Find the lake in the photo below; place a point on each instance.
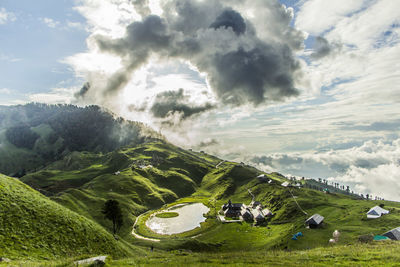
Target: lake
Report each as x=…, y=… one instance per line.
x=190, y=217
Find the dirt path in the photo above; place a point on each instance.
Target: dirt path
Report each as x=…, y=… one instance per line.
x=139, y=236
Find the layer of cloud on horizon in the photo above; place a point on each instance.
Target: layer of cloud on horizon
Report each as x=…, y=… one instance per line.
x=370, y=168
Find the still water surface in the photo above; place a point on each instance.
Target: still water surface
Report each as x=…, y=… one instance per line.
x=190, y=217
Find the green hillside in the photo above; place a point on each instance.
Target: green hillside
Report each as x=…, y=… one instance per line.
x=33, y=226
x=148, y=176
x=34, y=135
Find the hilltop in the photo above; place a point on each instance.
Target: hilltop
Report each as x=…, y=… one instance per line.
x=34, y=135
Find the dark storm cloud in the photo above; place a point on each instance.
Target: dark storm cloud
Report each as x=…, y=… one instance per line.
x=230, y=19
x=246, y=75
x=82, y=92
x=323, y=48
x=241, y=68
x=176, y=102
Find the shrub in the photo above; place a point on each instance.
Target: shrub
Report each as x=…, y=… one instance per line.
x=366, y=238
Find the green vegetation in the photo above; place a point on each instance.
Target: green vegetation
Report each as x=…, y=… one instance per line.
x=153, y=176
x=35, y=135
x=32, y=226
x=157, y=175
x=112, y=212
x=384, y=253
x=167, y=214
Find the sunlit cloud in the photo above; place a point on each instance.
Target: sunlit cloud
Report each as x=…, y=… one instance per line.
x=6, y=16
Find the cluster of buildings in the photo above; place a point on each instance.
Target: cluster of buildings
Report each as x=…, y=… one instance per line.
x=254, y=212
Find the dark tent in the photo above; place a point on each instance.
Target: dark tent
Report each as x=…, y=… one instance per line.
x=393, y=234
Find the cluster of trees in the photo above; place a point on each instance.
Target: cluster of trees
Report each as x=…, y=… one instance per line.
x=82, y=129
x=72, y=128
x=22, y=136
x=344, y=188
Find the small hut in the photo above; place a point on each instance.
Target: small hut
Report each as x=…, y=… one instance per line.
x=258, y=216
x=315, y=221
x=247, y=215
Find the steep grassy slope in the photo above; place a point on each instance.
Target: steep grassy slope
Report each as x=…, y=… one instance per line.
x=31, y=225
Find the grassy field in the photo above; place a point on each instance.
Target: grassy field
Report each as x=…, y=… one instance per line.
x=167, y=215
x=32, y=226
x=375, y=254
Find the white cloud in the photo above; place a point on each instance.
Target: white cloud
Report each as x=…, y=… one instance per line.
x=317, y=16
x=5, y=91
x=75, y=25
x=55, y=96
x=372, y=167
x=6, y=16
x=50, y=22
x=108, y=17
x=364, y=29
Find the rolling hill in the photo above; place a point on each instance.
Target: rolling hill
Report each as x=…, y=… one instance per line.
x=31, y=225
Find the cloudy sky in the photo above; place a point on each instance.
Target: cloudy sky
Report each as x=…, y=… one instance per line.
x=304, y=87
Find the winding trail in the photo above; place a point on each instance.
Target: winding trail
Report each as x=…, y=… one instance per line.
x=297, y=202
x=139, y=236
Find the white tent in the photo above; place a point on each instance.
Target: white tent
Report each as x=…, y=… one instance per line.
x=376, y=212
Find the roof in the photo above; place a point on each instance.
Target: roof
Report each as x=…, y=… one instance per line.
x=393, y=234
x=256, y=204
x=261, y=176
x=257, y=214
x=237, y=205
x=285, y=184
x=316, y=219
x=267, y=212
x=246, y=212
x=377, y=211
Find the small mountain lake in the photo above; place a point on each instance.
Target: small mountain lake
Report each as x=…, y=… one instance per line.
x=190, y=217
